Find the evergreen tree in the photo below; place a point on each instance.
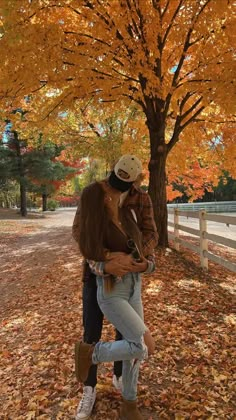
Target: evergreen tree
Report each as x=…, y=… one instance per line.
x=35, y=169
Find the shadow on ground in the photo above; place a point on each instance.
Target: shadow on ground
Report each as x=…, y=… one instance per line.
x=188, y=311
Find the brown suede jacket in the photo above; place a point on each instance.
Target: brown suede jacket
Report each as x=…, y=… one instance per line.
x=141, y=203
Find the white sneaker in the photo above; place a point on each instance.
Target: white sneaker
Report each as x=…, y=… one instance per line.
x=86, y=404
x=117, y=382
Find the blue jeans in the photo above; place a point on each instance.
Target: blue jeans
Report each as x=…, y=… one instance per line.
x=92, y=323
x=123, y=308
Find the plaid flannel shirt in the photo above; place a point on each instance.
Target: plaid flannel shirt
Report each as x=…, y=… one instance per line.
x=138, y=200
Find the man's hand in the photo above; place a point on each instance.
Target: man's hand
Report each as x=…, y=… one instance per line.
x=119, y=264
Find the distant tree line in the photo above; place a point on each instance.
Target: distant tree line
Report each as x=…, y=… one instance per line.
x=25, y=169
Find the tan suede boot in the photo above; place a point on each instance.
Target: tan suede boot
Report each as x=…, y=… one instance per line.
x=83, y=360
x=129, y=411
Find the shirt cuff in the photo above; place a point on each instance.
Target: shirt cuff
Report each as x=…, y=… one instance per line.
x=150, y=268
x=97, y=268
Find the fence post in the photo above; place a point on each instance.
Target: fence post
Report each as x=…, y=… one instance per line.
x=203, y=240
x=176, y=229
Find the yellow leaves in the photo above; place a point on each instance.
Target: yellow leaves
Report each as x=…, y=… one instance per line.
x=231, y=319
x=104, y=387
x=31, y=415
x=218, y=377
x=119, y=50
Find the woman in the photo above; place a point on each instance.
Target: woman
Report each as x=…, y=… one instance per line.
x=104, y=223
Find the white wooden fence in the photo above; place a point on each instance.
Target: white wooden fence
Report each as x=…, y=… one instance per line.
x=210, y=206
x=203, y=236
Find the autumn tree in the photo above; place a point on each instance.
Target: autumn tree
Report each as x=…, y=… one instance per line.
x=102, y=133
x=172, y=58
x=46, y=172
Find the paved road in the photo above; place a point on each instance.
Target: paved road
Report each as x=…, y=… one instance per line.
x=65, y=216
x=216, y=228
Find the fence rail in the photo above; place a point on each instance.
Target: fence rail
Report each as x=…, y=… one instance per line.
x=210, y=206
x=203, y=235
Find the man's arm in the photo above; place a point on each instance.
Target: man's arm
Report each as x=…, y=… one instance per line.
x=117, y=264
x=141, y=202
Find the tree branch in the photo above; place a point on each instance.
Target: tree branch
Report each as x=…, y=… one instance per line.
x=172, y=21
x=192, y=118
x=179, y=128
x=215, y=122
x=183, y=116
x=175, y=135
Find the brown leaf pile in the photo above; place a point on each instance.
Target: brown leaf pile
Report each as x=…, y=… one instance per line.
x=191, y=376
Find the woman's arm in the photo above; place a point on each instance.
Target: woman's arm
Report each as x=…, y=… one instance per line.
x=116, y=264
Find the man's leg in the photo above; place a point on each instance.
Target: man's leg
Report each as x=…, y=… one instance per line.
x=92, y=323
x=117, y=380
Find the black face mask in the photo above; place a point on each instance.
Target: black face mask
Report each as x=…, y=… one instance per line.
x=118, y=184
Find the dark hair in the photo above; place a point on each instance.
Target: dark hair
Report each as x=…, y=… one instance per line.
x=93, y=223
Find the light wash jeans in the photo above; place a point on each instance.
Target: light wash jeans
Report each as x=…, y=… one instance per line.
x=123, y=308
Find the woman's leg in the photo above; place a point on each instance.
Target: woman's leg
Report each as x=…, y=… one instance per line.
x=117, y=308
x=130, y=373
x=130, y=369
x=123, y=308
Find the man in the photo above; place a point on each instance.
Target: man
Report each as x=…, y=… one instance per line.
x=140, y=205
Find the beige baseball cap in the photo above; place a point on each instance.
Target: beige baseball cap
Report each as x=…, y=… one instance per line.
x=128, y=168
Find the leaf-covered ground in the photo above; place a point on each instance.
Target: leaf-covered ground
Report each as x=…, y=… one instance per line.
x=191, y=375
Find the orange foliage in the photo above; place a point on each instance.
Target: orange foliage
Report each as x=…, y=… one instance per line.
x=174, y=59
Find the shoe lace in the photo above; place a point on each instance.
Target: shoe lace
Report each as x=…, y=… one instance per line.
x=85, y=403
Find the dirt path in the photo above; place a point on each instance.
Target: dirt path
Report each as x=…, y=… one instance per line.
x=30, y=248
x=190, y=314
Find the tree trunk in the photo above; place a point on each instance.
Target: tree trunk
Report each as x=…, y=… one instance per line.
x=157, y=191
x=157, y=180
x=23, y=203
x=44, y=202
x=22, y=180
x=7, y=202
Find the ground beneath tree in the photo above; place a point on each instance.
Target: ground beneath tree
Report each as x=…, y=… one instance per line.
x=190, y=313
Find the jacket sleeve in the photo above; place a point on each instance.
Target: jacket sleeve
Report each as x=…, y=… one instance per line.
x=75, y=227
